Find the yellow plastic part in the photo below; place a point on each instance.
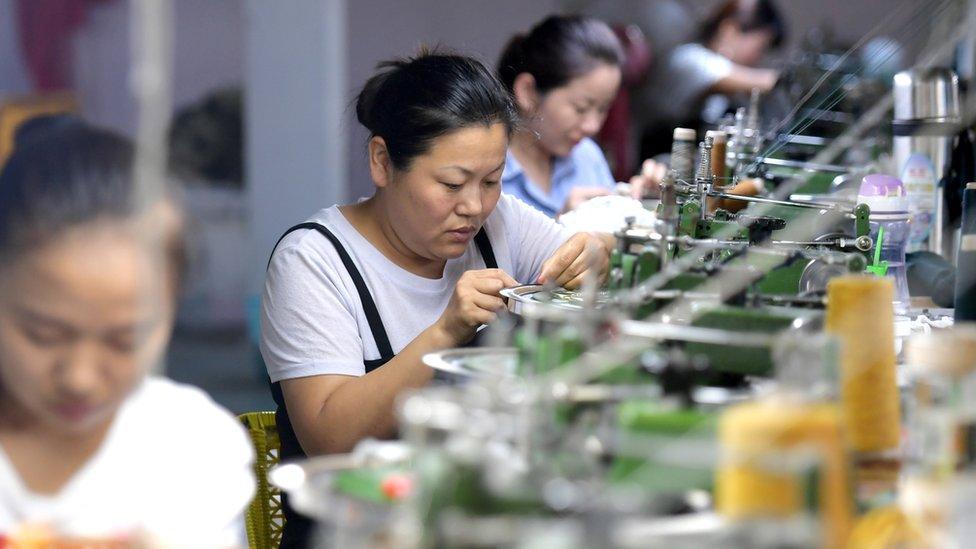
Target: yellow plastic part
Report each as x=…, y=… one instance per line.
x=265, y=518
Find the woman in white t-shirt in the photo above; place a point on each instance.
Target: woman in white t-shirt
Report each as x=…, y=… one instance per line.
x=415, y=268
x=90, y=448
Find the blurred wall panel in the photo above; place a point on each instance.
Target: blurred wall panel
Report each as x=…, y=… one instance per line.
x=208, y=53
x=13, y=76
x=295, y=97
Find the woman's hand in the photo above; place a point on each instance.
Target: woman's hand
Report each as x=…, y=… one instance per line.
x=579, y=195
x=571, y=262
x=475, y=301
x=647, y=184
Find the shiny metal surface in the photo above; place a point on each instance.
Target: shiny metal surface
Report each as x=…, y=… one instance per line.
x=929, y=94
x=926, y=96
x=474, y=363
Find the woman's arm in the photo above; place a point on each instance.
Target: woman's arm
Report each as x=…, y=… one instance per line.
x=744, y=79
x=332, y=413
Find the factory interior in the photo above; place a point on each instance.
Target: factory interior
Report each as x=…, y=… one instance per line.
x=447, y=273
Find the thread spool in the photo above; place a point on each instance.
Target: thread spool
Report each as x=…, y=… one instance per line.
x=949, y=352
x=746, y=187
x=683, y=154
x=860, y=315
x=887, y=527
x=750, y=486
x=718, y=156
x=965, y=298
x=942, y=432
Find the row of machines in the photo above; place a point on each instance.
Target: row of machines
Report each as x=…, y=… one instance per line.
x=753, y=373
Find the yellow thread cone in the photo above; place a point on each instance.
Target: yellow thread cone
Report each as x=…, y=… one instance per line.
x=860, y=315
x=752, y=434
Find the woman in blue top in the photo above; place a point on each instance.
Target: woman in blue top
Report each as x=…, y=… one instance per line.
x=563, y=75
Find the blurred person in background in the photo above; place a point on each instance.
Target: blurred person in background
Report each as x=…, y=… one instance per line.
x=91, y=448
x=692, y=84
x=563, y=75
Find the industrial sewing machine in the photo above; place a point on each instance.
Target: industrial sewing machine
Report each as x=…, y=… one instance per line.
x=601, y=417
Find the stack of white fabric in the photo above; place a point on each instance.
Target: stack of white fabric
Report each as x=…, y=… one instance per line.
x=607, y=214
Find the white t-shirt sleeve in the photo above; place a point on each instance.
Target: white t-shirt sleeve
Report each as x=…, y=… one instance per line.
x=307, y=325
x=692, y=70
x=532, y=237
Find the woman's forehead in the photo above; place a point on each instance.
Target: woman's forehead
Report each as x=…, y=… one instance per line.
x=470, y=147
x=97, y=266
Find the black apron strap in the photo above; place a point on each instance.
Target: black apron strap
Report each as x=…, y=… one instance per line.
x=298, y=529
x=484, y=246
x=369, y=306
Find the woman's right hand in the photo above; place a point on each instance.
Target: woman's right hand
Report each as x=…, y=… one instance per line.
x=475, y=301
x=647, y=184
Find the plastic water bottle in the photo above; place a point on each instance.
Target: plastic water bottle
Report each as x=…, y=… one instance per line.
x=886, y=197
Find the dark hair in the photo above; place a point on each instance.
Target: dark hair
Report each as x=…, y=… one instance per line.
x=558, y=49
x=412, y=101
x=748, y=16
x=206, y=139
x=62, y=173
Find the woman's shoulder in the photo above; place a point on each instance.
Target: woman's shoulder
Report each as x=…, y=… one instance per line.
x=308, y=246
x=179, y=416
x=304, y=238
x=170, y=440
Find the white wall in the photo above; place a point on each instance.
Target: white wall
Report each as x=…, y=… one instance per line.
x=13, y=75
x=295, y=150
x=208, y=52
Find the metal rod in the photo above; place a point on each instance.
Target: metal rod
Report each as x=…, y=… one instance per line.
x=862, y=243
x=694, y=334
x=798, y=164
x=810, y=140
x=761, y=200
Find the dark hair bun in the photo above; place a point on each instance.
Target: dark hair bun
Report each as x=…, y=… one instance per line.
x=410, y=102
x=64, y=172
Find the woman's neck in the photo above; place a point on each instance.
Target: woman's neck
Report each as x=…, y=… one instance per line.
x=535, y=160
x=372, y=219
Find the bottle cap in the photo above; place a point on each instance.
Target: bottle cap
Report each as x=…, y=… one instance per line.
x=717, y=136
x=883, y=193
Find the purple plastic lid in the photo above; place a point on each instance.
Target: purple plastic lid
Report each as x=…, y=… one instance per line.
x=883, y=193
x=879, y=184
